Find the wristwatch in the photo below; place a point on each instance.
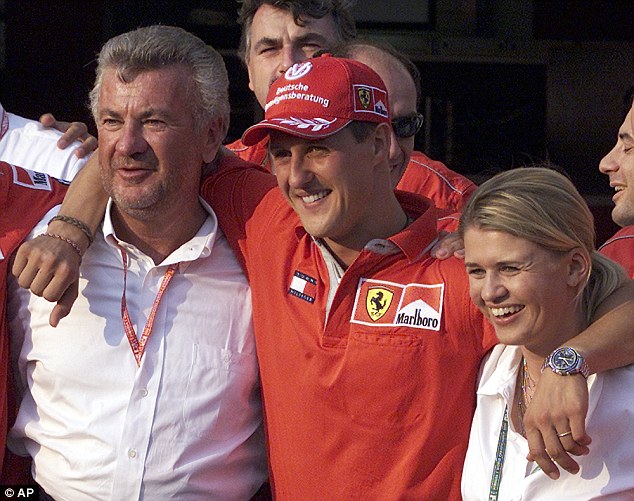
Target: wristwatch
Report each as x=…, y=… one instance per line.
x=566, y=361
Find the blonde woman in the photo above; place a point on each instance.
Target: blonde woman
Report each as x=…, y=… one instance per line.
x=533, y=272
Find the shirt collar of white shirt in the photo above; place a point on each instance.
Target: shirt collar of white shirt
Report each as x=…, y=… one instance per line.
x=200, y=246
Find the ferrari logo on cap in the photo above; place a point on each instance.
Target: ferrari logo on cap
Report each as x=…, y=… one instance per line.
x=368, y=99
x=365, y=97
x=378, y=301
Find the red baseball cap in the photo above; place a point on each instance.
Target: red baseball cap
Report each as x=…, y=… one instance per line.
x=319, y=97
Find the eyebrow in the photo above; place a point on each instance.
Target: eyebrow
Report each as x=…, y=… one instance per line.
x=265, y=41
x=302, y=39
x=625, y=136
x=514, y=263
x=152, y=112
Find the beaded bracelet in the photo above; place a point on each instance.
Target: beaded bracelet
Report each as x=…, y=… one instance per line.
x=77, y=223
x=64, y=239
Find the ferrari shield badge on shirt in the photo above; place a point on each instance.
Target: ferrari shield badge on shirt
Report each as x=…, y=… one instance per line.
x=377, y=302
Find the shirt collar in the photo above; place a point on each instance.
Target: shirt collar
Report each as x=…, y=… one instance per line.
x=416, y=239
x=501, y=377
x=200, y=246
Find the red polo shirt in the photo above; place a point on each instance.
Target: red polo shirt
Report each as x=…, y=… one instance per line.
x=620, y=248
x=25, y=197
x=375, y=399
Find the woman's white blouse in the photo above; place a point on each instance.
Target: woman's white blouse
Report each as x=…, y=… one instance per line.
x=606, y=473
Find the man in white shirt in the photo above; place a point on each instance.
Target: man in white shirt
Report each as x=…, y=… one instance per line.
x=149, y=388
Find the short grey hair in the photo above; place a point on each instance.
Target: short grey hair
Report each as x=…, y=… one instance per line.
x=158, y=46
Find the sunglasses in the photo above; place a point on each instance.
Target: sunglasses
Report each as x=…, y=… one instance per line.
x=407, y=126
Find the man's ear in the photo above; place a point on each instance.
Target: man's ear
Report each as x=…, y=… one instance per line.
x=578, y=267
x=215, y=134
x=381, y=140
x=251, y=86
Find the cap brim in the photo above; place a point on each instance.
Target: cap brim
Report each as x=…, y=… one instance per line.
x=309, y=128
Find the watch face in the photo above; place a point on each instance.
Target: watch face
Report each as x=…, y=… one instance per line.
x=565, y=359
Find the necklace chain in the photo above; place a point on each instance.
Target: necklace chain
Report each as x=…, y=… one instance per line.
x=527, y=390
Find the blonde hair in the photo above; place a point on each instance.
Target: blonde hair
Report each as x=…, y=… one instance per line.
x=542, y=206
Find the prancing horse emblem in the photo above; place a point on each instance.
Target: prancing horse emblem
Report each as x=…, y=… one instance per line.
x=364, y=96
x=378, y=301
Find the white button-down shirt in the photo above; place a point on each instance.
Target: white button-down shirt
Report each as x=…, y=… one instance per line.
x=28, y=144
x=606, y=473
x=184, y=425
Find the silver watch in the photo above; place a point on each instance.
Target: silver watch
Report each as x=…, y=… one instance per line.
x=566, y=361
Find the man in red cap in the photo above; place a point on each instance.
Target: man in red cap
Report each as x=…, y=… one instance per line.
x=368, y=348
x=277, y=34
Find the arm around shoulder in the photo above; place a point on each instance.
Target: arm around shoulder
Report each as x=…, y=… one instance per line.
x=49, y=267
x=555, y=419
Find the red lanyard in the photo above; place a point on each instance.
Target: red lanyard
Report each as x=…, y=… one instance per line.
x=138, y=346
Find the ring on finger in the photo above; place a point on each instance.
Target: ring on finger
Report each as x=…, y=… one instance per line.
x=565, y=434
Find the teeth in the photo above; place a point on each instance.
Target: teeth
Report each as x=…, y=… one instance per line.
x=619, y=188
x=317, y=196
x=500, y=312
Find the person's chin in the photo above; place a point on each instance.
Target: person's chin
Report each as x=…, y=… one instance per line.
x=623, y=216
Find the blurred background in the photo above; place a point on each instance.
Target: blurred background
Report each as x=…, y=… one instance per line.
x=505, y=82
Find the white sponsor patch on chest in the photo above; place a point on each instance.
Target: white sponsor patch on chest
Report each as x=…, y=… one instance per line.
x=31, y=179
x=382, y=303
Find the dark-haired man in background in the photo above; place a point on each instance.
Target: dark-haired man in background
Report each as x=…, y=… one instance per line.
x=618, y=164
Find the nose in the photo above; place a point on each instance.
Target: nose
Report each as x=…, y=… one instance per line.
x=299, y=176
x=290, y=56
x=493, y=290
x=609, y=163
x=131, y=140
x=397, y=160
x=396, y=154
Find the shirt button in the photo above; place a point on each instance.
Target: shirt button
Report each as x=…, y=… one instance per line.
x=131, y=453
x=144, y=392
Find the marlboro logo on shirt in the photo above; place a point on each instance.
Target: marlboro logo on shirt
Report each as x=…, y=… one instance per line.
x=30, y=179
